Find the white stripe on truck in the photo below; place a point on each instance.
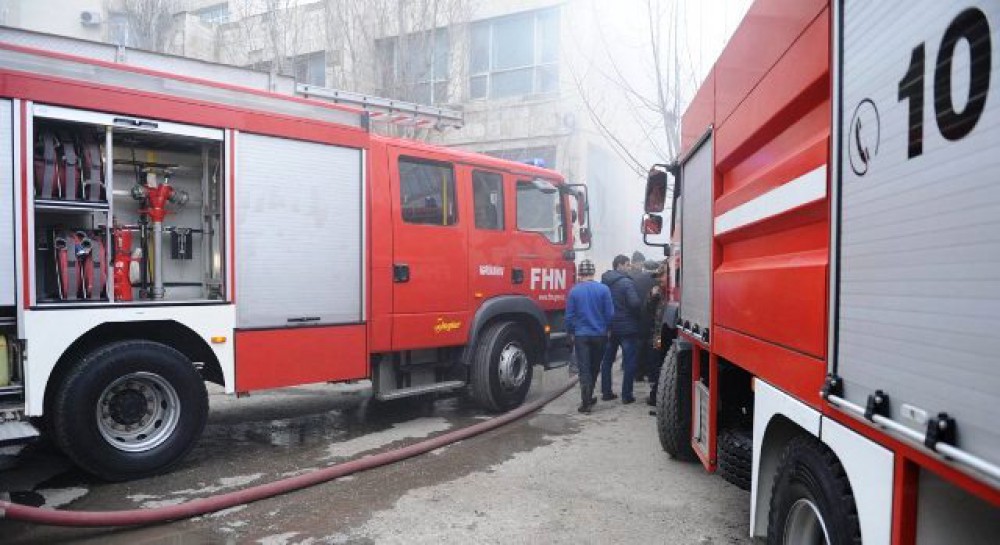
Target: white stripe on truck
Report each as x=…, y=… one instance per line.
x=810, y=187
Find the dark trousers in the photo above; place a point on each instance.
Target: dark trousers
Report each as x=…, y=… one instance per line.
x=656, y=362
x=589, y=351
x=630, y=349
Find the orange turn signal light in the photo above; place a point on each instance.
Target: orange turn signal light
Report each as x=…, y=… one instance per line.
x=218, y=340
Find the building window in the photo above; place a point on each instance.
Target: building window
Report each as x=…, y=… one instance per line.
x=487, y=194
x=214, y=15
x=427, y=192
x=120, y=30
x=539, y=210
x=515, y=55
x=543, y=156
x=417, y=70
x=310, y=68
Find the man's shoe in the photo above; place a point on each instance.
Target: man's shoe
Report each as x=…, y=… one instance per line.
x=585, y=409
x=628, y=401
x=609, y=397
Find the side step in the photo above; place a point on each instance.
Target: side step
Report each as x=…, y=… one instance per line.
x=421, y=390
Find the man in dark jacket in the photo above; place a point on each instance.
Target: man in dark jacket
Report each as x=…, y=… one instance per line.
x=588, y=315
x=625, y=329
x=644, y=283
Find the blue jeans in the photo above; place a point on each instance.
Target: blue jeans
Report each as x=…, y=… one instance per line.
x=630, y=348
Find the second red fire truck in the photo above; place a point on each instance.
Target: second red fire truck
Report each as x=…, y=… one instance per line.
x=164, y=222
x=835, y=272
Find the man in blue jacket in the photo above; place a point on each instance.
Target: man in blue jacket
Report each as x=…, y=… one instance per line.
x=625, y=329
x=588, y=315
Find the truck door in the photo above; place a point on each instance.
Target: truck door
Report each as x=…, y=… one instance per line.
x=543, y=266
x=489, y=243
x=430, y=253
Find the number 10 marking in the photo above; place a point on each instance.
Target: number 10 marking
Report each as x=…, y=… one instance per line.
x=972, y=26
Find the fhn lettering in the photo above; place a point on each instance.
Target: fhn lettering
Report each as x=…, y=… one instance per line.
x=548, y=279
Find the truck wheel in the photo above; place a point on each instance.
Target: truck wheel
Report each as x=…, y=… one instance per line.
x=129, y=410
x=811, y=500
x=735, y=456
x=501, y=367
x=673, y=404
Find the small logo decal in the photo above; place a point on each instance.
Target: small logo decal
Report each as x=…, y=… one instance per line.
x=443, y=326
x=865, y=132
x=490, y=270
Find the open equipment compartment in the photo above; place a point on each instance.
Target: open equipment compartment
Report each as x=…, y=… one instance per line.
x=127, y=210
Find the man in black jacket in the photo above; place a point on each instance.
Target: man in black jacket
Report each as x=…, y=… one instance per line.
x=625, y=329
x=644, y=283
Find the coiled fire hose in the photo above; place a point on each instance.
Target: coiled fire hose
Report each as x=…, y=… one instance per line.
x=193, y=508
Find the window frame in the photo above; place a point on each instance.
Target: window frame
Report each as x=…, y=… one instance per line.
x=537, y=62
x=561, y=228
x=433, y=80
x=456, y=217
x=501, y=212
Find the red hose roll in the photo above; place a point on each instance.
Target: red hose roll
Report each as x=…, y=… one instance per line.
x=135, y=517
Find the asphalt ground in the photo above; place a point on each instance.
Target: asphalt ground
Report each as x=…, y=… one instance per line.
x=554, y=477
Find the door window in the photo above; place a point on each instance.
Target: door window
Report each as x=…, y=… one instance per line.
x=427, y=192
x=487, y=194
x=540, y=210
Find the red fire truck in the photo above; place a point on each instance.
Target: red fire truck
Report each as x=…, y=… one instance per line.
x=166, y=222
x=834, y=235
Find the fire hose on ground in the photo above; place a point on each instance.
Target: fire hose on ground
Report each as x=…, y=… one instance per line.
x=201, y=506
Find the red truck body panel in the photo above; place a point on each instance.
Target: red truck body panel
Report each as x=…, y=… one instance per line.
x=768, y=102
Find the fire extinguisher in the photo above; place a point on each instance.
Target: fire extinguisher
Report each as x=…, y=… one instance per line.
x=123, y=261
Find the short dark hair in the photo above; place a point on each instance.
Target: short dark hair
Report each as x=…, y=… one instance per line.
x=637, y=257
x=619, y=261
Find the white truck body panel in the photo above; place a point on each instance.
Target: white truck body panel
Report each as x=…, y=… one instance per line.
x=8, y=295
x=286, y=243
x=56, y=329
x=697, y=177
x=916, y=253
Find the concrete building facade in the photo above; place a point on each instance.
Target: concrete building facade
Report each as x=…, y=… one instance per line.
x=516, y=68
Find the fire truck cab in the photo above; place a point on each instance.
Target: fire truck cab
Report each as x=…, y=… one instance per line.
x=166, y=222
x=834, y=272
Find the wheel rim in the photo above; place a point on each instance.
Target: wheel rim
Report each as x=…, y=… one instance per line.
x=513, y=366
x=804, y=525
x=138, y=412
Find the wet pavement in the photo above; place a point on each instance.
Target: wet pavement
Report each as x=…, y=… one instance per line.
x=555, y=476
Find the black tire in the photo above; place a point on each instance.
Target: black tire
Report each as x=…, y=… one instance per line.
x=735, y=455
x=487, y=388
x=673, y=404
x=811, y=481
x=134, y=378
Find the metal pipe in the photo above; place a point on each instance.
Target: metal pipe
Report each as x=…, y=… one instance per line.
x=944, y=449
x=158, y=291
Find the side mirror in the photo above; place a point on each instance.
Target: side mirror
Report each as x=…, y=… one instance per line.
x=666, y=250
x=656, y=190
x=652, y=224
x=585, y=236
